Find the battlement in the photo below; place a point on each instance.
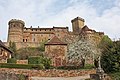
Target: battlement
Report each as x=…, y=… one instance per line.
x=78, y=18
x=17, y=21
x=45, y=29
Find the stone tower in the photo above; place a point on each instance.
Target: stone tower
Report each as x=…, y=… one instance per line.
x=77, y=24
x=15, y=31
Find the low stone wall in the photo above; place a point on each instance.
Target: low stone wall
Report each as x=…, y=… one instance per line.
x=48, y=73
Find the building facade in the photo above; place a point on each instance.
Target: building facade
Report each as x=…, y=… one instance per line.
x=56, y=50
x=31, y=37
x=5, y=53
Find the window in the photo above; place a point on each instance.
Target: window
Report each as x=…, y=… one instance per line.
x=1, y=51
x=23, y=40
x=34, y=39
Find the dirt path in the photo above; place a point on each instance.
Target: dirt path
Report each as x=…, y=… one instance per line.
x=61, y=78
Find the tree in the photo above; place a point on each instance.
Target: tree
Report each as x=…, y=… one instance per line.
x=80, y=49
x=110, y=58
x=12, y=47
x=42, y=45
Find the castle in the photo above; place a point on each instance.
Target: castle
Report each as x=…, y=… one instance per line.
x=58, y=38
x=31, y=37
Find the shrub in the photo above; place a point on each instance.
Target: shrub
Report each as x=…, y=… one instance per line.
x=40, y=60
x=115, y=76
x=24, y=53
x=11, y=60
x=21, y=66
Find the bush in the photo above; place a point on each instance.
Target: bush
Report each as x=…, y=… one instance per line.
x=115, y=76
x=24, y=53
x=11, y=60
x=21, y=66
x=40, y=60
x=35, y=60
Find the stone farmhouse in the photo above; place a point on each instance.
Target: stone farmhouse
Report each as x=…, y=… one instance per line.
x=5, y=53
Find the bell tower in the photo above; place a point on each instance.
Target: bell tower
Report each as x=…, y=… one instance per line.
x=15, y=31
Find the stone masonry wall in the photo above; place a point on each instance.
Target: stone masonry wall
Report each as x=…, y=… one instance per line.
x=48, y=73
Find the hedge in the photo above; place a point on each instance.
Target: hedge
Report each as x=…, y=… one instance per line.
x=11, y=60
x=22, y=66
x=35, y=60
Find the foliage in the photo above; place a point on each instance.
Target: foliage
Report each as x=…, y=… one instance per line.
x=12, y=47
x=115, y=76
x=40, y=60
x=105, y=43
x=110, y=59
x=11, y=60
x=21, y=66
x=82, y=48
x=24, y=53
x=42, y=45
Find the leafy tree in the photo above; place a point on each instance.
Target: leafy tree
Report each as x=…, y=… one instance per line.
x=82, y=50
x=42, y=45
x=12, y=47
x=110, y=58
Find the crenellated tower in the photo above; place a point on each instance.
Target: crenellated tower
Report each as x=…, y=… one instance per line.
x=15, y=31
x=77, y=24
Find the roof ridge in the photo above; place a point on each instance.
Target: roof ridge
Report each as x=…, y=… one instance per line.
x=56, y=40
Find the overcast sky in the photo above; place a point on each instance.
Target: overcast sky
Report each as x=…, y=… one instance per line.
x=101, y=15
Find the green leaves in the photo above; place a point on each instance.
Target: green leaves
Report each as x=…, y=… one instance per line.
x=12, y=47
x=40, y=60
x=110, y=59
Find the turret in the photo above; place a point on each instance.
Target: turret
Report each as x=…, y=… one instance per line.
x=77, y=24
x=15, y=31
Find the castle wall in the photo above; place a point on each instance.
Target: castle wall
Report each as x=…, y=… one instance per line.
x=24, y=37
x=24, y=44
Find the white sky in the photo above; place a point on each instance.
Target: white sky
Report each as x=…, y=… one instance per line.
x=101, y=15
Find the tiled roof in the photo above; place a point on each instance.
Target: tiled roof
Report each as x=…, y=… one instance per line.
x=85, y=28
x=3, y=46
x=55, y=41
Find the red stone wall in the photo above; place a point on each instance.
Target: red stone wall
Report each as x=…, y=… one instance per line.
x=48, y=73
